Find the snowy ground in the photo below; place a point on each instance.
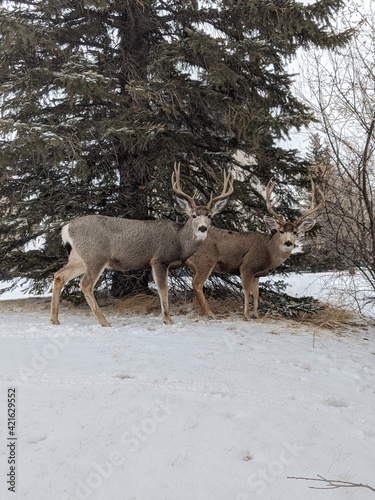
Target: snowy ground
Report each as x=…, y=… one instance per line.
x=200, y=410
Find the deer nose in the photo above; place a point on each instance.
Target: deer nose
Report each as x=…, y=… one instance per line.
x=288, y=243
x=202, y=229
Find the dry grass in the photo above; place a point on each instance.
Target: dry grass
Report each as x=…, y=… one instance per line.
x=229, y=308
x=327, y=317
x=137, y=304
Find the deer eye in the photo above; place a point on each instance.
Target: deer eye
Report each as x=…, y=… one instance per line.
x=282, y=232
x=194, y=216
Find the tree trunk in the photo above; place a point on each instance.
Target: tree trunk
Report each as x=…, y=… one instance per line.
x=130, y=283
x=133, y=169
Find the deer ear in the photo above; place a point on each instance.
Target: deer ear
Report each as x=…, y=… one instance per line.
x=271, y=222
x=183, y=206
x=219, y=206
x=306, y=225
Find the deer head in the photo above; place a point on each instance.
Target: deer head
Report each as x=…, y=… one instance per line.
x=288, y=231
x=201, y=215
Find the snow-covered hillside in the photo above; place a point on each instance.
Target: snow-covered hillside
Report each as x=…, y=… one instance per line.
x=200, y=410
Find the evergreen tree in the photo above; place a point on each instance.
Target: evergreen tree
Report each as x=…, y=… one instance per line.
x=100, y=97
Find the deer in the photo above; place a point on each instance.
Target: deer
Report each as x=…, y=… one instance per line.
x=250, y=255
x=98, y=242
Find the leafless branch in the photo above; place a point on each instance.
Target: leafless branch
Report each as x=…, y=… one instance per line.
x=332, y=484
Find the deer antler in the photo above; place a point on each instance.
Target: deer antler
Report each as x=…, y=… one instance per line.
x=227, y=190
x=177, y=186
x=312, y=208
x=269, y=189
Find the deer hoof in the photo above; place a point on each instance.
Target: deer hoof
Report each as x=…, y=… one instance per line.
x=106, y=324
x=55, y=322
x=167, y=321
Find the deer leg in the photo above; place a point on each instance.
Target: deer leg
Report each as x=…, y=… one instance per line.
x=247, y=285
x=87, y=285
x=73, y=269
x=200, y=275
x=160, y=274
x=255, y=292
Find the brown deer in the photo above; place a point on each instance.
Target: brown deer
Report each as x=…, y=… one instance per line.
x=96, y=242
x=250, y=255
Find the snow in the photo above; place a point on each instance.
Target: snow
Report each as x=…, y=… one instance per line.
x=341, y=289
x=199, y=410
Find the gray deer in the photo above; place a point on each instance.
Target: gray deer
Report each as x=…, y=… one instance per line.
x=250, y=255
x=96, y=242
